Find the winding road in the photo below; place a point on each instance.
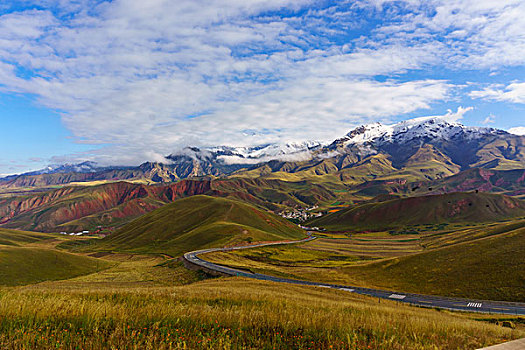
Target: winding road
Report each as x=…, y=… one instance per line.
x=429, y=301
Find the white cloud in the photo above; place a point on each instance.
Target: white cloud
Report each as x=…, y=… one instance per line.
x=490, y=119
x=519, y=130
x=514, y=92
x=450, y=116
x=295, y=157
x=315, y=109
x=457, y=115
x=146, y=77
x=473, y=33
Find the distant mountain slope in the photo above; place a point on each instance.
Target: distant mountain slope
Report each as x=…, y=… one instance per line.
x=511, y=182
x=433, y=209
x=149, y=172
x=189, y=162
x=199, y=222
x=75, y=208
x=84, y=167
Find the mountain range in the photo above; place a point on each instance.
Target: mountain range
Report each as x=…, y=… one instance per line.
x=417, y=149
x=371, y=163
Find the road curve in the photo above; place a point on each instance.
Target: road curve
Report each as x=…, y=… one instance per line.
x=429, y=301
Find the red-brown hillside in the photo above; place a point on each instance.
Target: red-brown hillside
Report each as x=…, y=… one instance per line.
x=47, y=211
x=113, y=204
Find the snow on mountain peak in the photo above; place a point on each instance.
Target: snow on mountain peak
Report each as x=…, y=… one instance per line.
x=368, y=132
x=408, y=130
x=251, y=155
x=291, y=151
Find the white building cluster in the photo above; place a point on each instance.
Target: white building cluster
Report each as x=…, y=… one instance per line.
x=75, y=233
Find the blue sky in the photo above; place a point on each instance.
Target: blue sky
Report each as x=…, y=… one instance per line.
x=125, y=81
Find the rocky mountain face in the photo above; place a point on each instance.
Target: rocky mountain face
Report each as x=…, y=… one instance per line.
x=418, y=149
x=434, y=148
x=467, y=147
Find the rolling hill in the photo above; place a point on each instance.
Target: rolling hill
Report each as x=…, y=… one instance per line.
x=74, y=208
x=22, y=265
x=16, y=238
x=464, y=207
x=199, y=222
x=23, y=261
x=488, y=268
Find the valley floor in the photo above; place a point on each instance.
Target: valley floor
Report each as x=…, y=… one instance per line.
x=480, y=262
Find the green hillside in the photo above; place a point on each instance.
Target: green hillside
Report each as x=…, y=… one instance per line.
x=199, y=222
x=20, y=265
x=458, y=207
x=489, y=268
x=16, y=237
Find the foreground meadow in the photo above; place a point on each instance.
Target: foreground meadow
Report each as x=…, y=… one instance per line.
x=125, y=300
x=227, y=313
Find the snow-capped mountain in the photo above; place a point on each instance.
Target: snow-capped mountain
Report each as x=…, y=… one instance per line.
x=456, y=145
x=419, y=129
x=84, y=167
x=292, y=151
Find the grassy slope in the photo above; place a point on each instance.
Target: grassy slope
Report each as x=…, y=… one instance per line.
x=16, y=238
x=481, y=262
x=489, y=268
x=229, y=314
x=199, y=222
x=25, y=259
x=121, y=308
x=435, y=209
x=19, y=265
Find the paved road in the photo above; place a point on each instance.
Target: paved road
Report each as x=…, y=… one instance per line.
x=457, y=304
x=511, y=345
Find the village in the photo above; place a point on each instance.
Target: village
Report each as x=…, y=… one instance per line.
x=301, y=214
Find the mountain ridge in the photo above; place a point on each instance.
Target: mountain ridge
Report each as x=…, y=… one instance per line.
x=422, y=148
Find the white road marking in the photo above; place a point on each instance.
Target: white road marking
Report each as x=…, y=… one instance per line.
x=397, y=296
x=347, y=289
x=474, y=304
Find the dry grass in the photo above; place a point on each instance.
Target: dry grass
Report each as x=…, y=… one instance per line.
x=364, y=246
x=148, y=302
x=228, y=314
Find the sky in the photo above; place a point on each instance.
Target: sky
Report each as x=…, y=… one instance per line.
x=127, y=81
